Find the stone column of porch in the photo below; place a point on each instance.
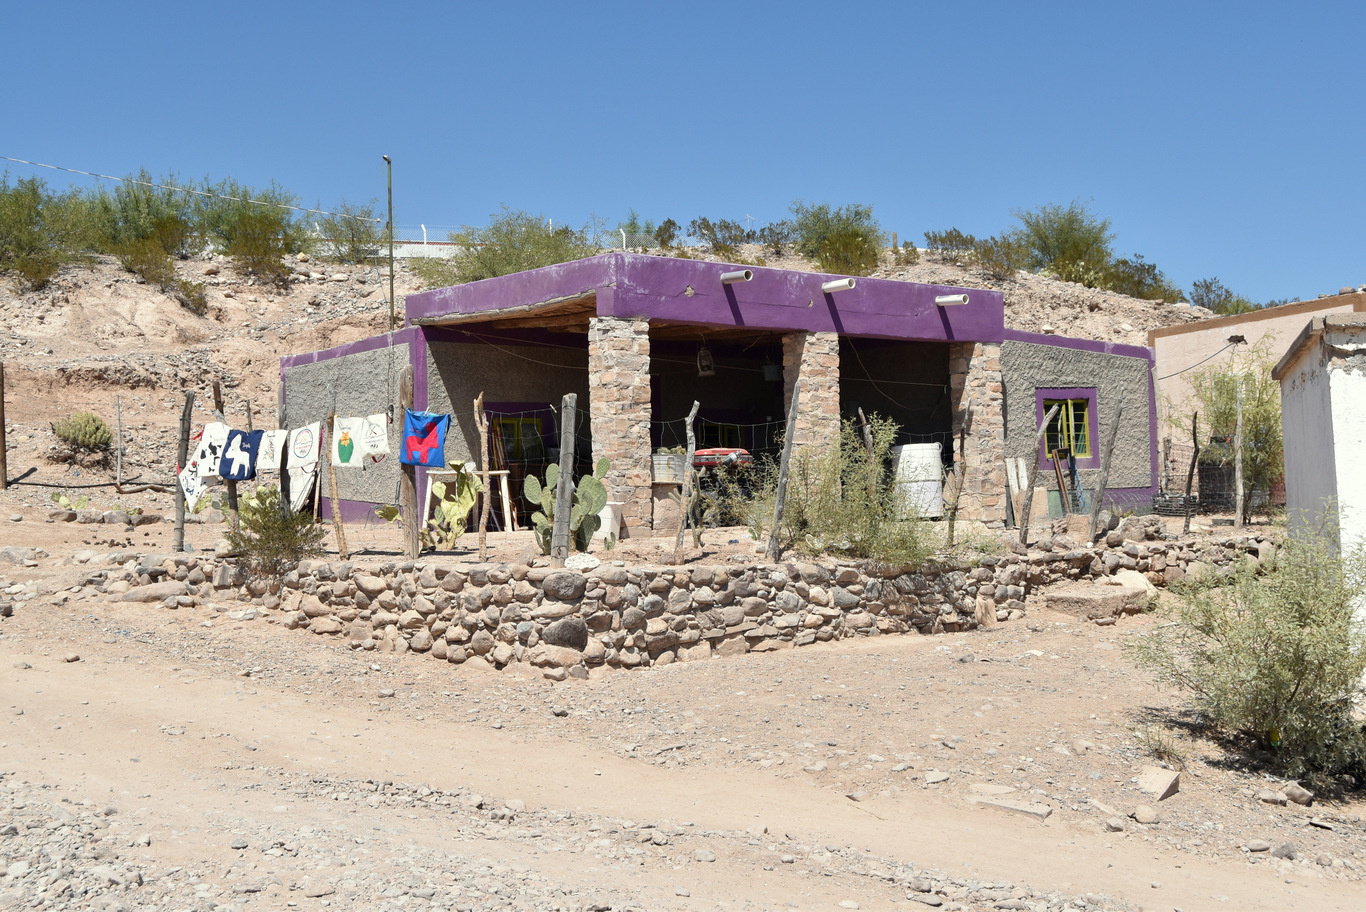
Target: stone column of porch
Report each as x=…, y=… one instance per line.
x=815, y=358
x=975, y=377
x=619, y=410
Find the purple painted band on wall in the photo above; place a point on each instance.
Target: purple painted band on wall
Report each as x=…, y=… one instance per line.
x=667, y=289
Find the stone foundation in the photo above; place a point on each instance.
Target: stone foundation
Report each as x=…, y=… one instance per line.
x=619, y=406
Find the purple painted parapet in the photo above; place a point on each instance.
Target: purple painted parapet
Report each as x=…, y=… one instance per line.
x=1107, y=348
x=411, y=336
x=691, y=291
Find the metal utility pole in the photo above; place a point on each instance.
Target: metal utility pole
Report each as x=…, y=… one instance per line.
x=390, y=164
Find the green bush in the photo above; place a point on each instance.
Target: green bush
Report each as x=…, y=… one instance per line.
x=513, y=242
x=1001, y=257
x=1065, y=241
x=259, y=242
x=838, y=501
x=951, y=246
x=1211, y=293
x=722, y=237
x=356, y=234
x=40, y=231
x=589, y=497
x=84, y=431
x=272, y=539
x=666, y=235
x=905, y=255
x=1139, y=279
x=776, y=236
x=148, y=259
x=1274, y=660
x=845, y=241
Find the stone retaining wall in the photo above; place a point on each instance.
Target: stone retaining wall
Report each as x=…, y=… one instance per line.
x=567, y=621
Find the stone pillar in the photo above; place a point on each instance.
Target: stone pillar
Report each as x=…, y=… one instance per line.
x=975, y=376
x=619, y=410
x=815, y=358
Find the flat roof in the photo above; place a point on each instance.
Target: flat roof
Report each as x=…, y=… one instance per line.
x=683, y=291
x=1357, y=300
x=1311, y=335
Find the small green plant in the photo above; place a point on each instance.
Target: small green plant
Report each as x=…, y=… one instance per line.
x=951, y=246
x=1274, y=660
x=590, y=496
x=454, y=500
x=905, y=255
x=259, y=242
x=1162, y=745
x=84, y=431
x=271, y=539
x=666, y=235
x=1001, y=257
x=61, y=499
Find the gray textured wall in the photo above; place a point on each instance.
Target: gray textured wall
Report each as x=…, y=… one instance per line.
x=458, y=371
x=352, y=385
x=1026, y=366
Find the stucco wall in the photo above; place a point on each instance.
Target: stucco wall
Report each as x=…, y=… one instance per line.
x=1347, y=389
x=504, y=371
x=1307, y=427
x=1026, y=367
x=352, y=385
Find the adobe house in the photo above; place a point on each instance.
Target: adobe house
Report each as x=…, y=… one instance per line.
x=638, y=338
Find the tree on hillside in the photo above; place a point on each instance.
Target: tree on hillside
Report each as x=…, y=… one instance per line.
x=1069, y=241
x=512, y=242
x=1211, y=293
x=1138, y=278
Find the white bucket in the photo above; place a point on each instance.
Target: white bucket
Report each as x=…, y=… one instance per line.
x=609, y=521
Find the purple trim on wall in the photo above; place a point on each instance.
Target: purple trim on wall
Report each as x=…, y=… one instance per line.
x=1092, y=420
x=657, y=288
x=1091, y=345
x=353, y=512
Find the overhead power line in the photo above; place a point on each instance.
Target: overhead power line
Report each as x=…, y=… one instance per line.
x=236, y=199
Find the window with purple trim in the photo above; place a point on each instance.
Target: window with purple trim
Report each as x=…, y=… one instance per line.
x=1070, y=428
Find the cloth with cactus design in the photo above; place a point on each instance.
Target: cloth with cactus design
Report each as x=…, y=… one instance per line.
x=353, y=439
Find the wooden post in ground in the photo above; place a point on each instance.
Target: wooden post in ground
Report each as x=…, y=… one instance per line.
x=564, y=489
x=1098, y=493
x=1238, y=459
x=337, y=528
x=482, y=421
x=412, y=515
x=1190, y=473
x=686, y=503
x=1028, y=505
x=118, y=444
x=230, y=485
x=960, y=472
x=249, y=427
x=182, y=456
x=4, y=461
x=780, y=496
x=872, y=458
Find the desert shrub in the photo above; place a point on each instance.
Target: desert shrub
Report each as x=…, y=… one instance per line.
x=512, y=242
x=191, y=296
x=776, y=236
x=1274, y=660
x=950, y=246
x=1065, y=241
x=723, y=237
x=258, y=244
x=1138, y=278
x=838, y=501
x=1211, y=293
x=148, y=259
x=41, y=230
x=272, y=539
x=846, y=241
x=355, y=232
x=666, y=235
x=1001, y=257
x=905, y=255
x=84, y=431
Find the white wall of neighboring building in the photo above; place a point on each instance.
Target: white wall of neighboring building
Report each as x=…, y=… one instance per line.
x=1307, y=429
x=1347, y=389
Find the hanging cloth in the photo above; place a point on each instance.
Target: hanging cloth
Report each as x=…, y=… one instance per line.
x=346, y=433
x=305, y=446
x=239, y=455
x=273, y=446
x=374, y=436
x=424, y=439
x=211, y=442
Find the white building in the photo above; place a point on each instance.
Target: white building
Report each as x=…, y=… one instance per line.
x=1323, y=416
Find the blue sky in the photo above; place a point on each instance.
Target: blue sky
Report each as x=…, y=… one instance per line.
x=1219, y=138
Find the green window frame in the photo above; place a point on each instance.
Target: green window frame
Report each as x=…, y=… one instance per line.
x=1070, y=429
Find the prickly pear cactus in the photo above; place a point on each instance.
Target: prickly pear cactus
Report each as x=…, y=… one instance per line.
x=590, y=496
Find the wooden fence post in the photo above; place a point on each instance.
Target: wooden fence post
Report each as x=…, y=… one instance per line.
x=482, y=421
x=412, y=516
x=4, y=459
x=1098, y=493
x=780, y=496
x=564, y=489
x=684, y=504
x=182, y=456
x=1028, y=505
x=1190, y=473
x=230, y=485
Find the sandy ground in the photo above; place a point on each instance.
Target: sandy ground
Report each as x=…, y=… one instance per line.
x=259, y=764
